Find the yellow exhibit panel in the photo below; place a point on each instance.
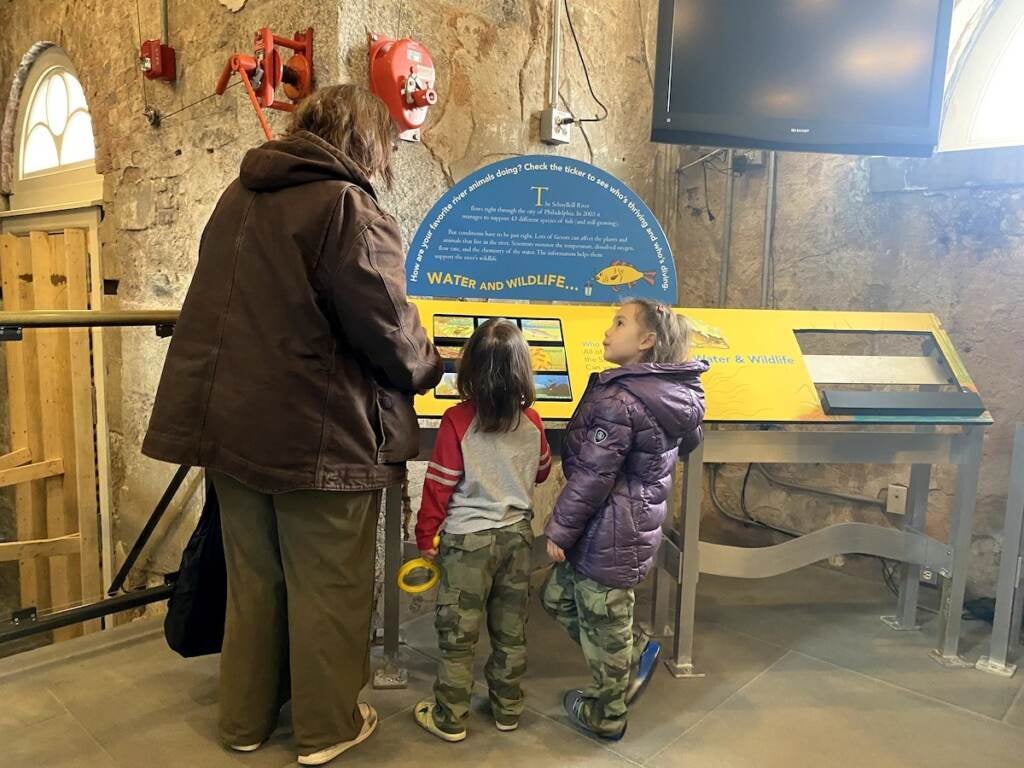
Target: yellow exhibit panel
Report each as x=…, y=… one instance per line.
x=759, y=370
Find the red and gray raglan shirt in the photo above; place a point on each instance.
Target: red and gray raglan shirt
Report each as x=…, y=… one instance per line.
x=479, y=480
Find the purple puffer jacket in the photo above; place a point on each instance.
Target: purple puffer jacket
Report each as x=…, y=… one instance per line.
x=618, y=454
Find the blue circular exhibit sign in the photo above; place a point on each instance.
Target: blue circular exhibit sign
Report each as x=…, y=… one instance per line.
x=543, y=228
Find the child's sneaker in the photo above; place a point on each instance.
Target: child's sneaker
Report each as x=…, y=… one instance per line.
x=641, y=675
x=573, y=704
x=424, y=715
x=505, y=723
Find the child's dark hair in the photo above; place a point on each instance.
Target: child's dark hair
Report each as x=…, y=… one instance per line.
x=671, y=331
x=496, y=374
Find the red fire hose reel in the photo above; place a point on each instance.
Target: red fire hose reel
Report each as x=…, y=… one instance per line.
x=262, y=73
x=402, y=75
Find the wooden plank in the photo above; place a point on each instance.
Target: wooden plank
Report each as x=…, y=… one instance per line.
x=50, y=288
x=98, y=303
x=15, y=364
x=29, y=472
x=83, y=435
x=20, y=550
x=69, y=519
x=23, y=383
x=16, y=458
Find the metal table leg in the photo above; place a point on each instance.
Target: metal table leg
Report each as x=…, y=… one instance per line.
x=1006, y=626
x=910, y=573
x=661, y=584
x=391, y=674
x=681, y=663
x=961, y=520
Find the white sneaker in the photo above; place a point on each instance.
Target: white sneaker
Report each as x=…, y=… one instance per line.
x=328, y=754
x=506, y=726
x=247, y=747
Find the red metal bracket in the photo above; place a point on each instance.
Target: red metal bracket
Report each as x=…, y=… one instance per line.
x=263, y=72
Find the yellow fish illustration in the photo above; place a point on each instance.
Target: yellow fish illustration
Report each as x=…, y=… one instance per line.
x=704, y=335
x=621, y=274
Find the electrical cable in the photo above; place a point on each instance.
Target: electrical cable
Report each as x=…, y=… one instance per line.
x=746, y=511
x=888, y=572
x=707, y=194
x=722, y=171
x=888, y=576
x=820, y=491
x=142, y=75
x=698, y=161
x=703, y=161
x=586, y=71
x=748, y=520
x=197, y=101
x=713, y=490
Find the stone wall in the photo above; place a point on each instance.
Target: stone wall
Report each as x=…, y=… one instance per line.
x=838, y=245
x=161, y=184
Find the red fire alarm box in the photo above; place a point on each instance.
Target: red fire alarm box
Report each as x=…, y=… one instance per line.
x=157, y=61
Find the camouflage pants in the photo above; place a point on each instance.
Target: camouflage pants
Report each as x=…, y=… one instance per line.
x=484, y=571
x=600, y=619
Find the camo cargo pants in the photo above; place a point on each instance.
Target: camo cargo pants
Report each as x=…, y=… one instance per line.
x=600, y=619
x=487, y=571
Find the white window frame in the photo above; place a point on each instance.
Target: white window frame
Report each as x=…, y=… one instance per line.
x=71, y=186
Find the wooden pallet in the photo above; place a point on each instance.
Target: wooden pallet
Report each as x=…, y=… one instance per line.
x=52, y=463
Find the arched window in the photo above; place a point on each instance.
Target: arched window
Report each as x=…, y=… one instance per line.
x=983, y=104
x=54, y=145
x=58, y=132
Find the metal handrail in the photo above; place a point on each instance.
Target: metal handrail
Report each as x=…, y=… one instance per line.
x=27, y=622
x=87, y=318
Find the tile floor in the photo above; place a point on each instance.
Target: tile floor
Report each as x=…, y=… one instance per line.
x=800, y=672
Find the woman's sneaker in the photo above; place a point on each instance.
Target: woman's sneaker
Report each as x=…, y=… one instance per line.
x=424, y=715
x=642, y=673
x=246, y=747
x=506, y=726
x=328, y=754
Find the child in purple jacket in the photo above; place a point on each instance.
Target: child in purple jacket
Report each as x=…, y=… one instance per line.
x=619, y=451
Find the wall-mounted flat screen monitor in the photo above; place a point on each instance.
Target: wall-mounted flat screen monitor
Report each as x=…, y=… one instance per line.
x=841, y=76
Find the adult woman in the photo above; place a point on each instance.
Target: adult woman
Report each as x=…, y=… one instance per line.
x=290, y=377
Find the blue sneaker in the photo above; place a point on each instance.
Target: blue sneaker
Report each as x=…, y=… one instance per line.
x=644, y=671
x=573, y=704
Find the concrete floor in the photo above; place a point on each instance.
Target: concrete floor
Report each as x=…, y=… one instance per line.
x=800, y=672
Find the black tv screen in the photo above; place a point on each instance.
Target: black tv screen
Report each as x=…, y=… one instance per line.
x=843, y=76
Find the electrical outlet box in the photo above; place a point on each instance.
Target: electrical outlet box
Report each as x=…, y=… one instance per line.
x=554, y=126
x=753, y=156
x=896, y=500
x=929, y=577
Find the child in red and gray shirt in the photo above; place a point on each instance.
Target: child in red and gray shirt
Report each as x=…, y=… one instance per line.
x=490, y=452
